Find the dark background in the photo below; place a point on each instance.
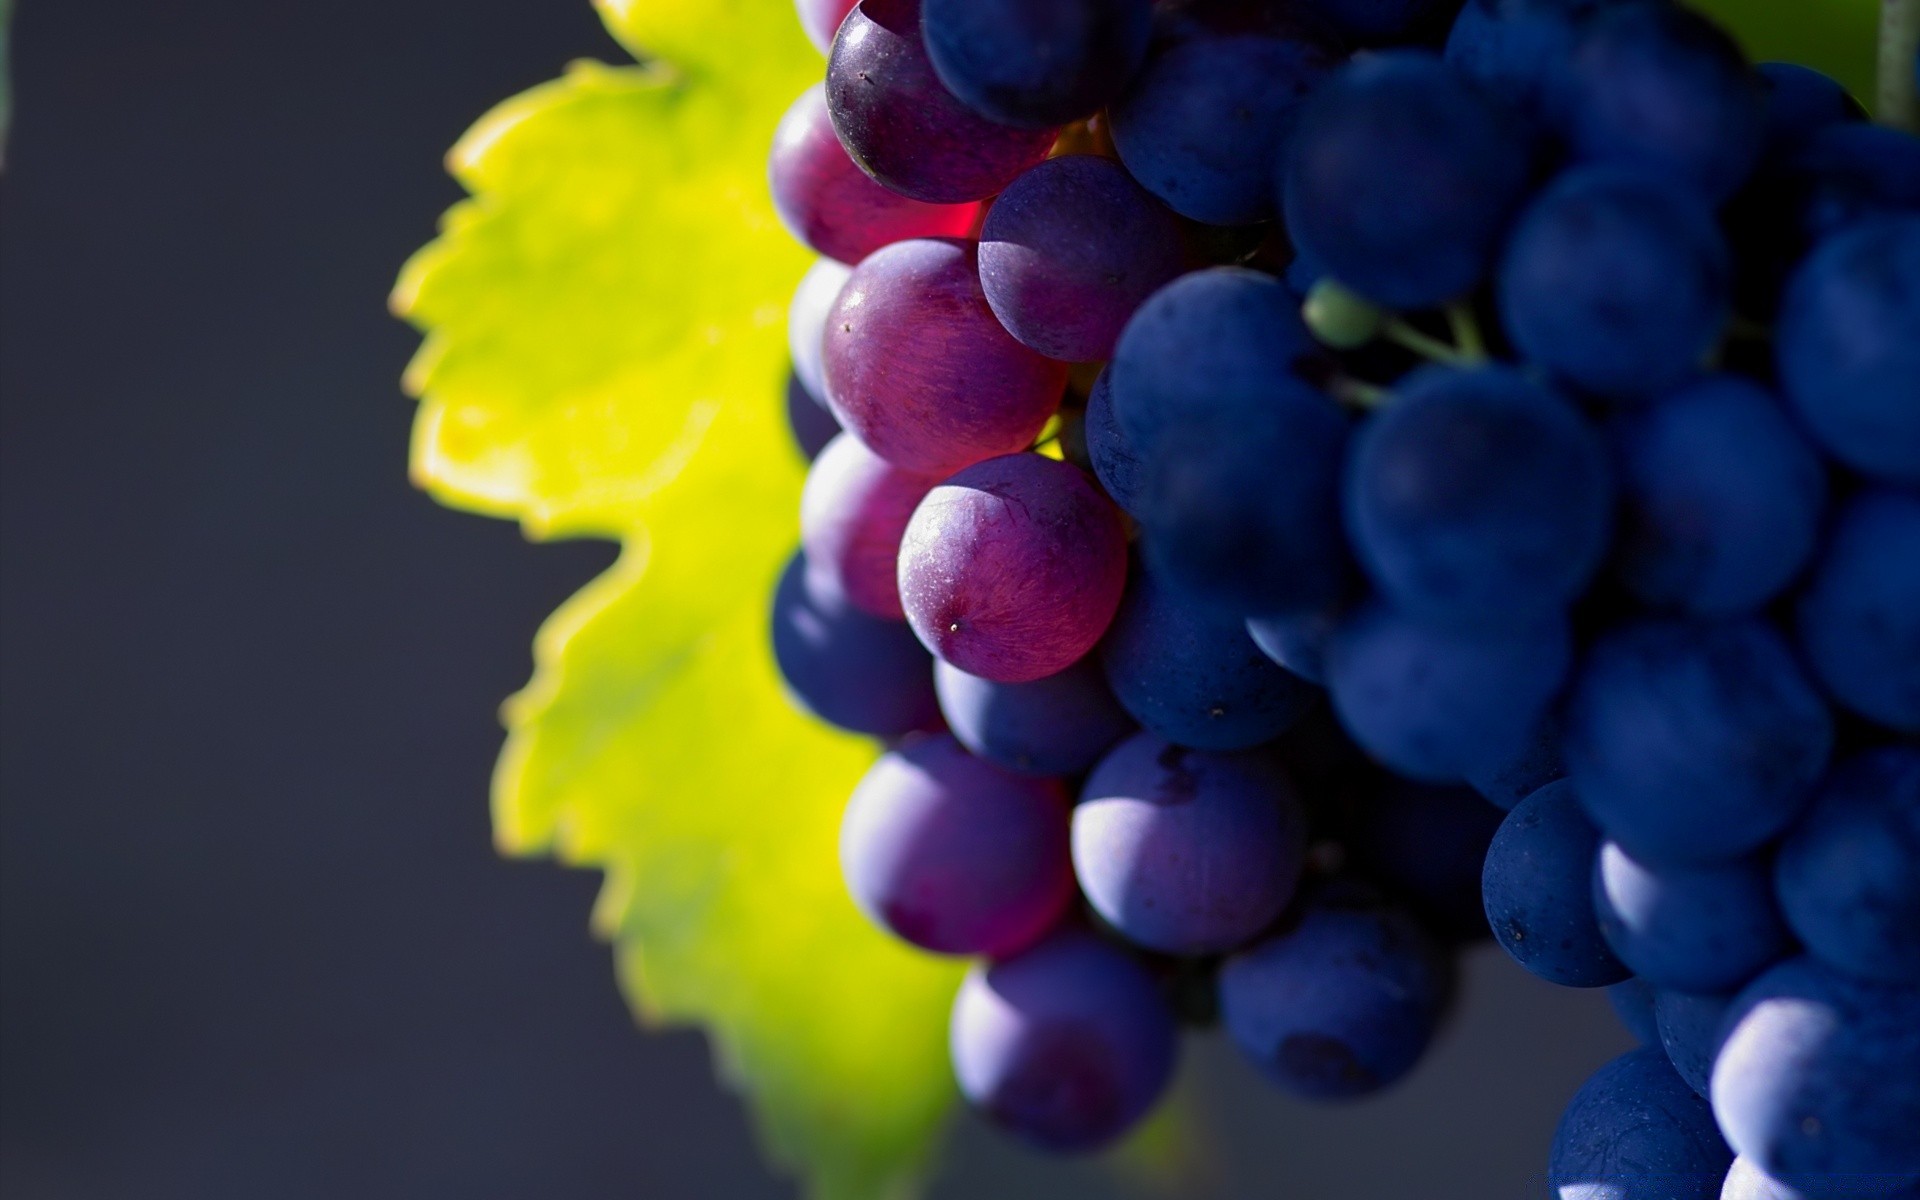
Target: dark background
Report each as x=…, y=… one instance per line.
x=253, y=938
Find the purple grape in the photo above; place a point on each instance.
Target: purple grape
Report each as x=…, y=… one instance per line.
x=1658, y=86
x=1069, y=250
x=1694, y=742
x=1437, y=703
x=1059, y=725
x=811, y=424
x=1343, y=1002
x=1036, y=64
x=1859, y=617
x=1538, y=897
x=920, y=369
x=1635, y=1131
x=1401, y=177
x=1478, y=497
x=854, y=509
x=849, y=669
x=1012, y=569
x=902, y=126
x=1065, y=1046
x=1848, y=875
x=955, y=855
x=1187, y=852
x=1819, y=1075
x=1694, y=929
x=821, y=20
x=1721, y=498
x=807, y=324
x=829, y=204
x=1427, y=846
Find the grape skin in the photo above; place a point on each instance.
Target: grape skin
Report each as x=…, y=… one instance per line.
x=851, y=670
x=1689, y=1032
x=1635, y=1131
x=1538, y=900
x=1859, y=616
x=1035, y=64
x=1058, y=725
x=853, y=512
x=1692, y=929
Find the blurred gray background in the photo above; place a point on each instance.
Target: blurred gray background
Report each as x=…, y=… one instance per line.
x=253, y=939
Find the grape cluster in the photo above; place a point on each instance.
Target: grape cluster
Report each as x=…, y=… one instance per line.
x=1303, y=485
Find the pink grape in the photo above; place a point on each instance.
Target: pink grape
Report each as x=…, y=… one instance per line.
x=852, y=513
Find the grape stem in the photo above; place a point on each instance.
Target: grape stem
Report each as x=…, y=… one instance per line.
x=1896, y=104
x=1357, y=393
x=1466, y=331
x=1427, y=346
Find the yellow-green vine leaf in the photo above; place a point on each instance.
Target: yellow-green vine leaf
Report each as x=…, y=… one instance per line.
x=603, y=355
x=1835, y=36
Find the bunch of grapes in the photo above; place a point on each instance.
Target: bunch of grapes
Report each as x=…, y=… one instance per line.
x=1303, y=485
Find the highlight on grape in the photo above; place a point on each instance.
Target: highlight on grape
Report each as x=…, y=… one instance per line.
x=1302, y=486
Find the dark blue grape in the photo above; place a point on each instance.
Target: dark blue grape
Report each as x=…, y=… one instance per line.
x=1057, y=725
x=1538, y=897
x=849, y=669
x=1477, y=497
x=1635, y=1131
x=954, y=854
x=810, y=422
x=1693, y=741
x=1748, y=1182
x=1187, y=852
x=1343, y=1002
x=1070, y=250
x=1065, y=1046
x=1035, y=64
x=1205, y=119
x=1192, y=675
x=1427, y=846
x=1401, y=178
x=1298, y=642
x=1693, y=929
x=1819, y=1075
x=1632, y=1001
x=1616, y=280
x=1848, y=875
x=1506, y=780
x=1660, y=87
x=1848, y=347
x=1436, y=703
x=1689, y=1027
x=1859, y=618
x=1801, y=101
x=1209, y=349
x=1115, y=463
x=1515, y=48
x=1721, y=499
x=1247, y=516
x=903, y=127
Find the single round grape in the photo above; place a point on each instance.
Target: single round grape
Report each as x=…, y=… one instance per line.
x=1012, y=569
x=1115, y=463
x=919, y=368
x=809, y=420
x=1721, y=498
x=1035, y=64
x=1659, y=87
x=1848, y=347
x=1426, y=845
x=1538, y=898
x=1632, y=1001
x=1211, y=348
x=1059, y=725
x=1401, y=177
x=1635, y=1131
x=1070, y=250
x=1214, y=107
x=851, y=670
x=954, y=854
x=1694, y=929
x=1616, y=280
x=1859, y=617
x=1848, y=875
x=1247, y=516
x=1800, y=102
x=1187, y=852
x=853, y=511
x=1192, y=675
x=1477, y=497
x=829, y=204
x=1748, y=1182
x=1505, y=780
x=821, y=20
x=1437, y=703
x=1065, y=1046
x=1689, y=1027
x=903, y=127
x=1340, y=1004
x=1819, y=1074
x=807, y=323
x=1696, y=741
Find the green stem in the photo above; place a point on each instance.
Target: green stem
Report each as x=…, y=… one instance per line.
x=1357, y=393
x=1466, y=331
x=1896, y=103
x=1425, y=345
